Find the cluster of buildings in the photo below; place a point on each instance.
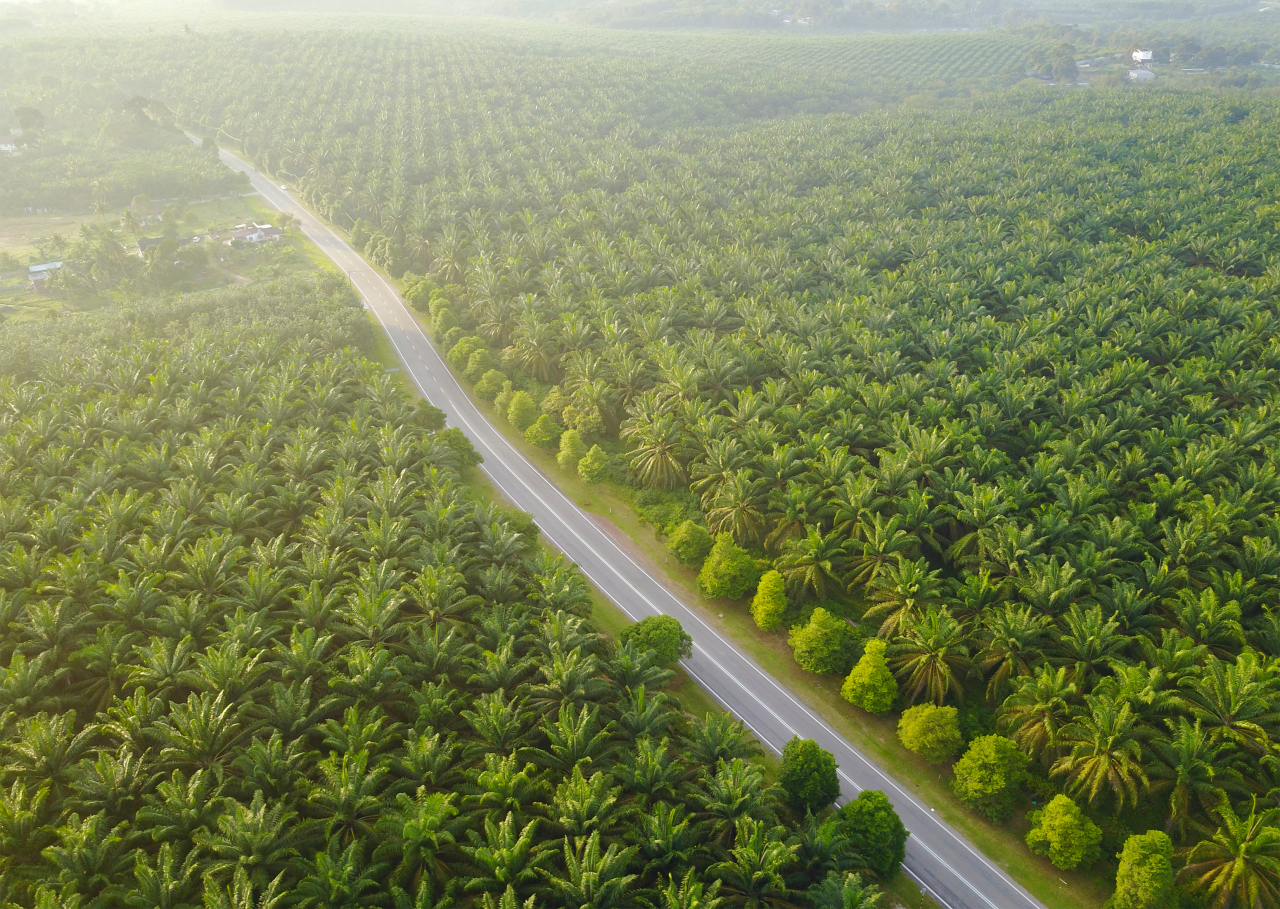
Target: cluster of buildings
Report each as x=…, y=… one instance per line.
x=244, y=233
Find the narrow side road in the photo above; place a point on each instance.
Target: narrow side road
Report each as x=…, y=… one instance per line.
x=942, y=862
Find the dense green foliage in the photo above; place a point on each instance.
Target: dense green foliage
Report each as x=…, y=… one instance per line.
x=808, y=776
x=998, y=381
x=1145, y=877
x=89, y=147
x=931, y=731
x=663, y=635
x=825, y=644
x=689, y=542
x=989, y=776
x=769, y=604
x=870, y=684
x=260, y=646
x=876, y=832
x=728, y=571
x=1061, y=832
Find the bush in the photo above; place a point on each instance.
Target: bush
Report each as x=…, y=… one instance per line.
x=689, y=543
x=989, y=775
x=460, y=353
x=1062, y=832
x=502, y=402
x=931, y=731
x=808, y=775
x=461, y=446
x=769, y=605
x=875, y=832
x=544, y=432
x=572, y=450
x=663, y=635
x=554, y=403
x=871, y=684
x=1145, y=877
x=479, y=363
x=428, y=416
x=827, y=645
x=522, y=411
x=729, y=571
x=594, y=466
x=490, y=384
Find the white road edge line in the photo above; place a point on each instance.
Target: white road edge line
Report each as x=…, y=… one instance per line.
x=327, y=234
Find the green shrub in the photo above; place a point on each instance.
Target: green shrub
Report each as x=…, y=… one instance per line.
x=769, y=605
x=689, y=542
x=1144, y=879
x=503, y=399
x=490, y=384
x=554, y=403
x=1062, y=832
x=572, y=450
x=871, y=684
x=460, y=353
x=931, y=731
x=451, y=337
x=479, y=363
x=875, y=832
x=544, y=432
x=827, y=644
x=461, y=446
x=808, y=775
x=663, y=635
x=428, y=416
x=989, y=775
x=594, y=466
x=728, y=571
x=522, y=411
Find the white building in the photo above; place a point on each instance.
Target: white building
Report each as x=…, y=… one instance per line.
x=1141, y=75
x=256, y=233
x=1142, y=56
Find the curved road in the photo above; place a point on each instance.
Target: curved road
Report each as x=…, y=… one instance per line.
x=941, y=861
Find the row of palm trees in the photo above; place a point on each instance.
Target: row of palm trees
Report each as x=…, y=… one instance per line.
x=261, y=649
x=998, y=382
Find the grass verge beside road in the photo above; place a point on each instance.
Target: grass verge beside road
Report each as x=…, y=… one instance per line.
x=874, y=736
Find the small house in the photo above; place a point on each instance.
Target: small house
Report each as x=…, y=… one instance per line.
x=38, y=275
x=1142, y=56
x=256, y=233
x=1141, y=75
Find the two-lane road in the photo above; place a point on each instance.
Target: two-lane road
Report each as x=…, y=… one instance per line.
x=951, y=870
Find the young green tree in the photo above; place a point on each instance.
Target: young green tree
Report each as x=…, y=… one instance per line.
x=459, y=354
x=522, y=412
x=931, y=731
x=808, y=775
x=502, y=401
x=729, y=571
x=1144, y=879
x=490, y=384
x=827, y=644
x=478, y=363
x=1062, y=832
x=572, y=450
x=987, y=777
x=870, y=684
x=875, y=832
x=689, y=542
x=544, y=432
x=594, y=466
x=663, y=635
x=769, y=605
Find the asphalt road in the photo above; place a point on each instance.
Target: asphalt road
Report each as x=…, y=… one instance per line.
x=942, y=862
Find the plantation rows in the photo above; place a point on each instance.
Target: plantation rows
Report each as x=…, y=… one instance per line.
x=993, y=387
x=261, y=651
